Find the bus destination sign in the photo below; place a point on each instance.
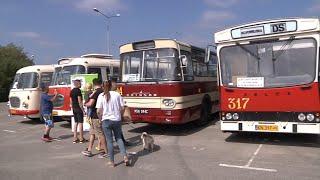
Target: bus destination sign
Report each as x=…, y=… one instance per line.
x=264, y=29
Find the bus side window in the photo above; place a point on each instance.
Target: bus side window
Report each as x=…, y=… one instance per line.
x=187, y=71
x=46, y=78
x=212, y=65
x=115, y=73
x=95, y=70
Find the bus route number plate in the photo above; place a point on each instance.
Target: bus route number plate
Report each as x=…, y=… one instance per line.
x=141, y=111
x=267, y=127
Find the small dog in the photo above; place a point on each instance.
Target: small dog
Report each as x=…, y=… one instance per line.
x=147, y=142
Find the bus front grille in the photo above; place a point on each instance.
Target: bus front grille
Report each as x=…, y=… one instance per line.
x=14, y=102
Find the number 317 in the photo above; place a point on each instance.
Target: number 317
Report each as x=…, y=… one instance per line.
x=238, y=103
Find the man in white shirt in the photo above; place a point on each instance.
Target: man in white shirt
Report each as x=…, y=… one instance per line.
x=110, y=107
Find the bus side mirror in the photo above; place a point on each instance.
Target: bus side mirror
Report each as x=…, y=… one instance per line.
x=207, y=55
x=184, y=60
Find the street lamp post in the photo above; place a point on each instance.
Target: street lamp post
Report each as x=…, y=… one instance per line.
x=108, y=26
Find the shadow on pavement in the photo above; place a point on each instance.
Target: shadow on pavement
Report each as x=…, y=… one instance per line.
x=134, y=157
x=305, y=140
x=33, y=121
x=174, y=130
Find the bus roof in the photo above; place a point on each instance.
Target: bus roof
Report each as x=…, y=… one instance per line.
x=154, y=43
x=36, y=68
x=89, y=59
x=267, y=28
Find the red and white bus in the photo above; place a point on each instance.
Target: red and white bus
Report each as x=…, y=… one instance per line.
x=103, y=65
x=165, y=81
x=269, y=73
x=24, y=96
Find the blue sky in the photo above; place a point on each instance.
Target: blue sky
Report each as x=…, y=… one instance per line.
x=51, y=29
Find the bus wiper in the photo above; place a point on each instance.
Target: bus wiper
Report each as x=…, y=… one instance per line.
x=248, y=51
x=282, y=49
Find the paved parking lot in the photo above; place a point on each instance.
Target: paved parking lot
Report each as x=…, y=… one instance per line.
x=182, y=152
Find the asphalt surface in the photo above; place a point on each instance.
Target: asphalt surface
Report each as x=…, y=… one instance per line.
x=182, y=152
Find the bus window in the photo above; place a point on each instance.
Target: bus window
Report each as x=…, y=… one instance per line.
x=15, y=81
x=28, y=80
x=95, y=70
x=212, y=66
x=46, y=78
x=188, y=71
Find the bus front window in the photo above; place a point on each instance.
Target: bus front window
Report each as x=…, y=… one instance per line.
x=15, y=81
x=62, y=76
x=151, y=65
x=269, y=64
x=28, y=80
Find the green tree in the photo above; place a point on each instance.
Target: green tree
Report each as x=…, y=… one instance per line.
x=12, y=58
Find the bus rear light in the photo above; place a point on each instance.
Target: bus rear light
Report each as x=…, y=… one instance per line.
x=301, y=117
x=317, y=119
x=310, y=117
x=228, y=116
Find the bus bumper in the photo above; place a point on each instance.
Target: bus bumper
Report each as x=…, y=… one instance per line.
x=24, y=112
x=158, y=119
x=62, y=113
x=274, y=127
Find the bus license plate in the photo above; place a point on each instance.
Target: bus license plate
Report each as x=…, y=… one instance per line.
x=267, y=127
x=141, y=111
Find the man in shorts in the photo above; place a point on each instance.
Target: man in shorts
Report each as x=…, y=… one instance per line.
x=78, y=111
x=46, y=108
x=95, y=122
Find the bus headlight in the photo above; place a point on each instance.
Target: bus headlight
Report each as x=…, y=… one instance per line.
x=228, y=116
x=301, y=117
x=25, y=105
x=310, y=117
x=170, y=103
x=235, y=116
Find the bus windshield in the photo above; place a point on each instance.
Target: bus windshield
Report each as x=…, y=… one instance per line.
x=151, y=65
x=269, y=64
x=26, y=80
x=15, y=81
x=62, y=75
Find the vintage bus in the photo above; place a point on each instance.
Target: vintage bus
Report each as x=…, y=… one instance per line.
x=269, y=73
x=164, y=81
x=24, y=96
x=103, y=65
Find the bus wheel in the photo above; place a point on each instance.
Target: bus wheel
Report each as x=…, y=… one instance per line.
x=205, y=113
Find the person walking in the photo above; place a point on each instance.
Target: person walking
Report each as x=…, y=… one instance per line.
x=95, y=126
x=78, y=111
x=46, y=107
x=114, y=87
x=110, y=107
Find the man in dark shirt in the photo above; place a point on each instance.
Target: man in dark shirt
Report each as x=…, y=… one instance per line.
x=46, y=108
x=95, y=127
x=78, y=112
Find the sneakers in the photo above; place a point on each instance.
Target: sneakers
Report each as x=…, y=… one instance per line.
x=103, y=155
x=87, y=153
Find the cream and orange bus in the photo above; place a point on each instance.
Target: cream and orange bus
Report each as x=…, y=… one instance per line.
x=166, y=81
x=24, y=96
x=103, y=65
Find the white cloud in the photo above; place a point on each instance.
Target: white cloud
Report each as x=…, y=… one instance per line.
x=221, y=3
x=106, y=5
x=37, y=38
x=214, y=19
x=27, y=34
